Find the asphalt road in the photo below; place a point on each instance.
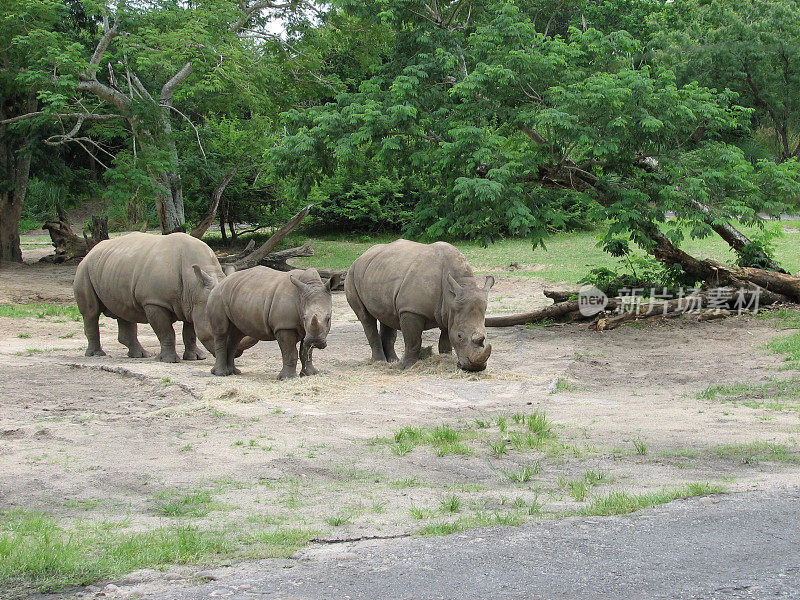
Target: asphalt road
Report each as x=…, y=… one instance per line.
x=736, y=546
x=725, y=548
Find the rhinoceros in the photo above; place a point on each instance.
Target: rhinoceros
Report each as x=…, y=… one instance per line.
x=265, y=304
x=413, y=287
x=145, y=278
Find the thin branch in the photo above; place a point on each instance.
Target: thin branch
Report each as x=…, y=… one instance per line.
x=197, y=133
x=40, y=113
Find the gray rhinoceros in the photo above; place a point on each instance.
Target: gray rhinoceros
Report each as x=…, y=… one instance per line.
x=265, y=304
x=413, y=287
x=145, y=278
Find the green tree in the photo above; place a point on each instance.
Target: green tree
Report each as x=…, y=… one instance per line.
x=136, y=64
x=749, y=46
x=492, y=114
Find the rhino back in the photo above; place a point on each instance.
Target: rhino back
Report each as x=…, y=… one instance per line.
x=132, y=271
x=259, y=301
x=406, y=276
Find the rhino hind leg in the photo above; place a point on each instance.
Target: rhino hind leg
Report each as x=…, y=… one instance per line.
x=368, y=322
x=445, y=346
x=161, y=321
x=225, y=351
x=412, y=327
x=128, y=337
x=307, y=366
x=388, y=338
x=287, y=341
x=90, y=307
x=190, y=348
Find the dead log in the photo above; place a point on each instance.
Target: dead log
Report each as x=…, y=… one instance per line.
x=277, y=260
x=336, y=277
x=560, y=295
x=560, y=312
x=99, y=231
x=255, y=257
x=213, y=204
x=68, y=244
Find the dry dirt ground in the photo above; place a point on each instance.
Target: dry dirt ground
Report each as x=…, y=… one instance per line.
x=127, y=440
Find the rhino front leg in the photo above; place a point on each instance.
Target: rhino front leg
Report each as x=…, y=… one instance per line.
x=445, y=346
x=161, y=321
x=190, y=349
x=412, y=326
x=128, y=336
x=287, y=341
x=388, y=338
x=307, y=367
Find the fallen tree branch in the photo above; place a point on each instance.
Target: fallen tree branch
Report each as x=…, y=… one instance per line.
x=560, y=311
x=267, y=247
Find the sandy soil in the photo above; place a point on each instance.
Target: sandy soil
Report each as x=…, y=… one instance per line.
x=112, y=437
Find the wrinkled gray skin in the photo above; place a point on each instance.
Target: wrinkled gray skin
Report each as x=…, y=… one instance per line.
x=413, y=287
x=264, y=304
x=144, y=278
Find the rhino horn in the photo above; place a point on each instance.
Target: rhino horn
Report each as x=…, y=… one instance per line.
x=228, y=270
x=487, y=285
x=478, y=339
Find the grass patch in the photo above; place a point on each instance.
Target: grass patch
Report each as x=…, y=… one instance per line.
x=525, y=474
x=755, y=452
x=774, y=394
x=37, y=553
x=40, y=310
x=338, y=520
x=194, y=504
x=621, y=502
x=562, y=385
x=640, y=446
x=784, y=318
x=478, y=519
x=443, y=438
x=789, y=346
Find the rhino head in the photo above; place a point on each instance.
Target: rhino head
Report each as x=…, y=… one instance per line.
x=465, y=304
x=314, y=308
x=201, y=288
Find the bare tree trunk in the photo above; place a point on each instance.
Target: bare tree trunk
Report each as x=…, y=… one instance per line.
x=203, y=226
x=15, y=168
x=169, y=199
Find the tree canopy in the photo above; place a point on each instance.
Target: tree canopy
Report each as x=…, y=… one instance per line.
x=443, y=119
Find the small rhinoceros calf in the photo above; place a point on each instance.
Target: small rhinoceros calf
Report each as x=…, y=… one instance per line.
x=145, y=278
x=414, y=287
x=265, y=304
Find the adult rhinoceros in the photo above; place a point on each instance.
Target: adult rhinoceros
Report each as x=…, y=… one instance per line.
x=145, y=278
x=413, y=287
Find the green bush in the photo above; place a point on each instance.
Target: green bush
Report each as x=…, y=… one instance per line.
x=639, y=271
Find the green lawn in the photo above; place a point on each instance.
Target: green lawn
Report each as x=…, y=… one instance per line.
x=568, y=256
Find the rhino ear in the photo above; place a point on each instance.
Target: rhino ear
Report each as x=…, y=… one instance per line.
x=455, y=287
x=301, y=286
x=228, y=270
x=204, y=278
x=488, y=283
